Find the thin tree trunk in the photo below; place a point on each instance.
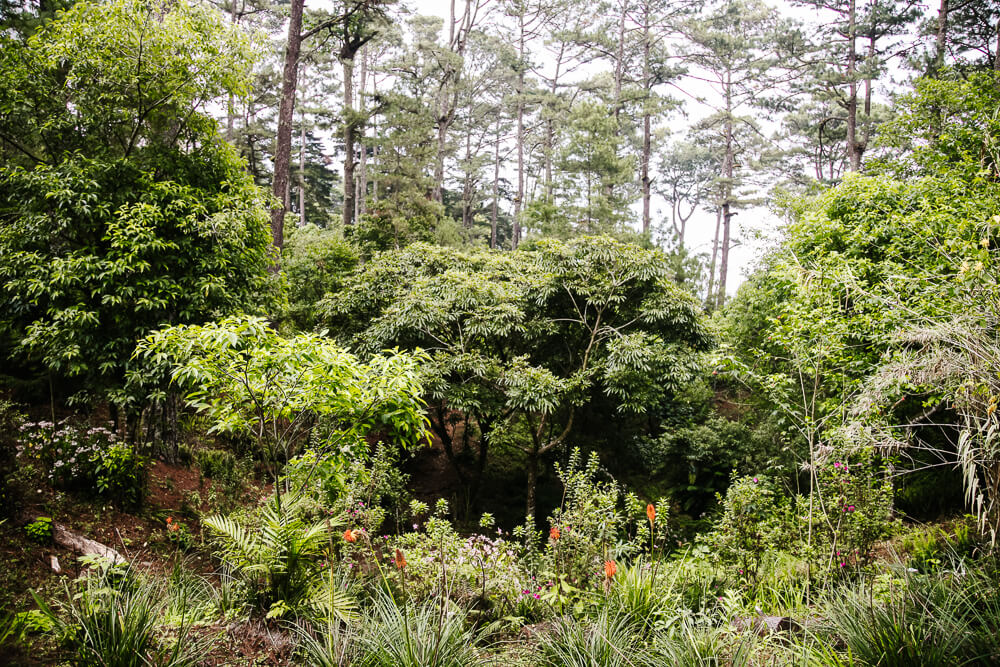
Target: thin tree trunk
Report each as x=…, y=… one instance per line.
x=467, y=186
x=302, y=170
x=496, y=186
x=349, y=130
x=940, y=40
x=853, y=153
x=362, y=193
x=519, y=199
x=286, y=109
x=647, y=142
x=712, y=298
x=728, y=173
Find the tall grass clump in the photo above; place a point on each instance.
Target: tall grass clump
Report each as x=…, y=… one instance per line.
x=113, y=619
x=928, y=621
x=608, y=640
x=426, y=634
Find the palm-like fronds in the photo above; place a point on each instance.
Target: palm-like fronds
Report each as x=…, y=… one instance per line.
x=279, y=555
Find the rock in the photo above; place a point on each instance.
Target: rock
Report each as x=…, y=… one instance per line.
x=54, y=562
x=765, y=625
x=83, y=545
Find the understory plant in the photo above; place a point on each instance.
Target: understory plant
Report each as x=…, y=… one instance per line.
x=114, y=616
x=277, y=551
x=429, y=634
x=919, y=620
x=86, y=458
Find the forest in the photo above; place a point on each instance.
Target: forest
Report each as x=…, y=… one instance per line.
x=406, y=333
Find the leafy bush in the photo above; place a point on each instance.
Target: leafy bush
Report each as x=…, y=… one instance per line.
x=852, y=511
x=607, y=641
x=597, y=521
x=86, y=459
x=931, y=548
x=480, y=570
x=753, y=521
x=216, y=464
x=108, y=233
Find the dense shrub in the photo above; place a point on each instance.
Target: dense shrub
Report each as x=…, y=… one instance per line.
x=86, y=459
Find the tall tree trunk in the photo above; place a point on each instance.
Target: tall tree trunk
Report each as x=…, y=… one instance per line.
x=496, y=186
x=940, y=40
x=853, y=146
x=350, y=125
x=286, y=109
x=362, y=193
x=550, y=122
x=302, y=173
x=647, y=142
x=728, y=174
x=231, y=102
x=467, y=185
x=712, y=298
x=519, y=199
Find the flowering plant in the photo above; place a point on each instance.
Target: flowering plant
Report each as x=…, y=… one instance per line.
x=85, y=458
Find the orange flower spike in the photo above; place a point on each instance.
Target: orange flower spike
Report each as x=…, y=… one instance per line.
x=175, y=526
x=400, y=560
x=651, y=513
x=170, y=520
x=554, y=533
x=349, y=536
x=610, y=569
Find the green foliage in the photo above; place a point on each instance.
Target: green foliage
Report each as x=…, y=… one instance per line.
x=11, y=421
x=40, y=530
x=926, y=620
x=314, y=261
x=753, y=523
x=114, y=618
x=606, y=641
x=933, y=548
x=121, y=211
x=247, y=379
x=216, y=464
x=480, y=570
x=276, y=551
x=416, y=635
x=519, y=343
x=698, y=453
x=86, y=459
x=948, y=127
x=853, y=510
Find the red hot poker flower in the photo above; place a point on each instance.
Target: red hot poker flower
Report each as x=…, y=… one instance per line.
x=349, y=536
x=651, y=513
x=610, y=569
x=400, y=559
x=554, y=533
